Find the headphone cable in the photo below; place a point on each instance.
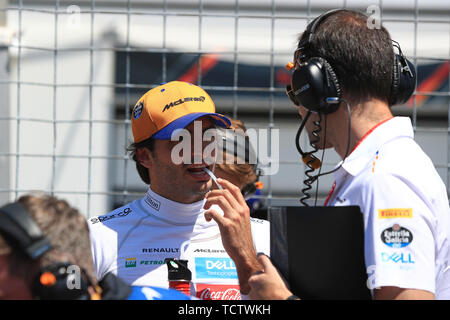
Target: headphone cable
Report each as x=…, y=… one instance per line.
x=321, y=160
x=312, y=179
x=311, y=162
x=348, y=142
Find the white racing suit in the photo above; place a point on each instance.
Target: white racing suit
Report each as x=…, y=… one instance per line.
x=133, y=241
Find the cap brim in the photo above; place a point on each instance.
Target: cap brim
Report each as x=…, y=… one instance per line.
x=180, y=123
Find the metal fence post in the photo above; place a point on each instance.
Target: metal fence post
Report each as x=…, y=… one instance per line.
x=5, y=38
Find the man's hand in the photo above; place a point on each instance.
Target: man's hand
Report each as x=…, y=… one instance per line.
x=235, y=229
x=268, y=284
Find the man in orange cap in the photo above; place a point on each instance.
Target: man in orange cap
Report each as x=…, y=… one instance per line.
x=135, y=240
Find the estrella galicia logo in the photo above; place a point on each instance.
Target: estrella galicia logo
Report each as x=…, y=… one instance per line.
x=395, y=257
x=396, y=236
x=137, y=111
x=180, y=101
x=122, y=213
x=215, y=268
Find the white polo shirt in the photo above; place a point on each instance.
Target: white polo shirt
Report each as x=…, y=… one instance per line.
x=405, y=208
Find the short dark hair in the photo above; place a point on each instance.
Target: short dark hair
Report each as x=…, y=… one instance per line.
x=362, y=58
x=132, y=148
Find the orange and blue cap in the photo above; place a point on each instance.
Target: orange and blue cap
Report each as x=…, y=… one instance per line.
x=171, y=106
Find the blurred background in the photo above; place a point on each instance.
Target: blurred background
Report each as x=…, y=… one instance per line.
x=71, y=71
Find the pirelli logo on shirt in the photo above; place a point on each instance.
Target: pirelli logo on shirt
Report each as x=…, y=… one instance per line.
x=395, y=213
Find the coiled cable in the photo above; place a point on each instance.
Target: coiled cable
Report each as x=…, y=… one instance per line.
x=309, y=159
x=311, y=162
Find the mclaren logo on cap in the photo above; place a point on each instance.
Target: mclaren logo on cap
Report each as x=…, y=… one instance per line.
x=180, y=101
x=137, y=111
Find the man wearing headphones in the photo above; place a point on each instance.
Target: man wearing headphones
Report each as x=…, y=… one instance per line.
x=45, y=254
x=346, y=78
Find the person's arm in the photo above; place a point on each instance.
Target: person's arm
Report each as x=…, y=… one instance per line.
x=396, y=293
x=399, y=242
x=235, y=229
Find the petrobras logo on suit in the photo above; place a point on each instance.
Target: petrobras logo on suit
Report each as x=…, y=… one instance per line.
x=215, y=268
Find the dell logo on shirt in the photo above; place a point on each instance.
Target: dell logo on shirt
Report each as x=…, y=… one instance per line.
x=215, y=268
x=221, y=264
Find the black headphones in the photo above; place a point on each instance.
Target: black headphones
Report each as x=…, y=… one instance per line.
x=314, y=83
x=22, y=233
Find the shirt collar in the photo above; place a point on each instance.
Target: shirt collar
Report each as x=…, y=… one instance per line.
x=363, y=153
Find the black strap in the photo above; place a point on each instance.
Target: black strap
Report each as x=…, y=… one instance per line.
x=113, y=288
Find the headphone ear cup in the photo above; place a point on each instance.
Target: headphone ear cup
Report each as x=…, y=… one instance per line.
x=314, y=81
x=407, y=82
x=404, y=80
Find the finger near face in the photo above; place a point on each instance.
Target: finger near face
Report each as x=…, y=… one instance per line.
x=224, y=193
x=235, y=191
x=222, y=202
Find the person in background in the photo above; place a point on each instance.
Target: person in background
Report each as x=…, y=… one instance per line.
x=243, y=170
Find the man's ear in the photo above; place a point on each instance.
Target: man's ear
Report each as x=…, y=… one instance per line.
x=144, y=157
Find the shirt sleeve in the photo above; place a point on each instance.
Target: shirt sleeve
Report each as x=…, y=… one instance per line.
x=102, y=248
x=399, y=240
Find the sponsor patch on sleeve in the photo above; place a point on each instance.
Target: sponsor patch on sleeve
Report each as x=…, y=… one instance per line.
x=395, y=213
x=396, y=236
